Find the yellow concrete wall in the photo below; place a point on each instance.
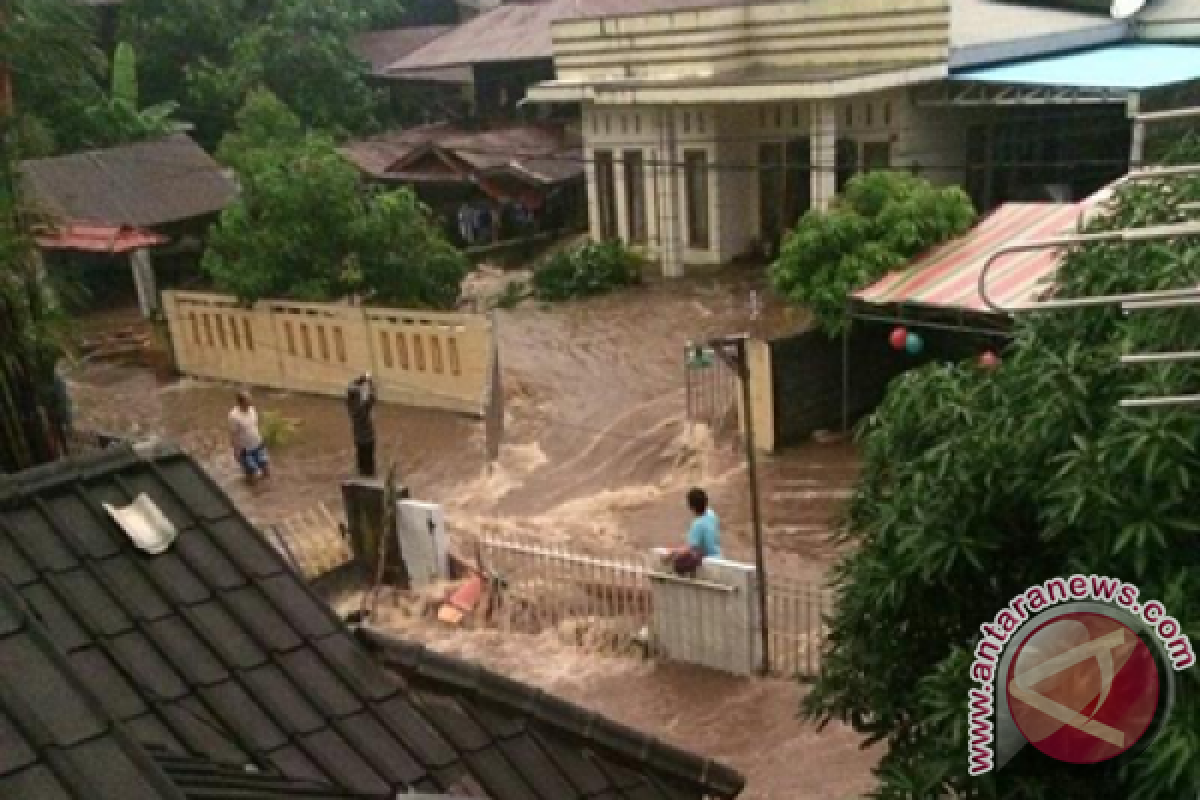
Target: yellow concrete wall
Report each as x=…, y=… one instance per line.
x=775, y=34
x=419, y=358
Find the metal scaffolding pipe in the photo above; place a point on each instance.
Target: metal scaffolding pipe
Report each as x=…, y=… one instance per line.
x=1152, y=233
x=1159, y=402
x=1160, y=358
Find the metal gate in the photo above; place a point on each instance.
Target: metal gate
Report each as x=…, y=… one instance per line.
x=712, y=389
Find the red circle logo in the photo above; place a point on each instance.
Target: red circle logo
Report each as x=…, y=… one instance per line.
x=1083, y=688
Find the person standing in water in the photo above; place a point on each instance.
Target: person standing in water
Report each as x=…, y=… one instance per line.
x=703, y=538
x=247, y=440
x=360, y=400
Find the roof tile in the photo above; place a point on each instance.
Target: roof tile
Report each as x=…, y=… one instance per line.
x=63, y=627
x=243, y=716
x=261, y=620
x=249, y=551
x=37, y=540
x=356, y=667
x=196, y=662
x=172, y=575
x=57, y=705
x=337, y=759
x=310, y=618
x=14, y=566
x=138, y=655
x=382, y=750
x=88, y=597
x=211, y=565
x=203, y=734
x=225, y=636
x=319, y=684
x=116, y=694
x=15, y=752
x=290, y=709
x=128, y=580
x=37, y=783
x=96, y=537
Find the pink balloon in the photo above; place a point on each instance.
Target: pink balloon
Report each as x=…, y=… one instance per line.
x=898, y=338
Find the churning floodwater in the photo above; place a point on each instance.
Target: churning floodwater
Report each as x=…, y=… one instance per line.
x=597, y=451
x=597, y=454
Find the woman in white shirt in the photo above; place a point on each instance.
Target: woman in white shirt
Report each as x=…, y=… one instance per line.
x=247, y=440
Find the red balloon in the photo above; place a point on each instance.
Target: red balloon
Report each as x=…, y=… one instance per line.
x=989, y=360
x=898, y=339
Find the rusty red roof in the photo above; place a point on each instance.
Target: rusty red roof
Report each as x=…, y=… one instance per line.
x=98, y=238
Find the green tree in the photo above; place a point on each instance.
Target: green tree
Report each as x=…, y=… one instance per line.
x=977, y=484
x=32, y=415
x=881, y=221
x=57, y=68
x=263, y=123
x=306, y=228
x=118, y=118
x=213, y=53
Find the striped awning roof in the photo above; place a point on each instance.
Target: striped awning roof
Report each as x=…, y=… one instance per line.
x=948, y=276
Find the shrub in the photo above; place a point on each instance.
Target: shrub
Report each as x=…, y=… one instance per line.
x=278, y=430
x=591, y=269
x=883, y=220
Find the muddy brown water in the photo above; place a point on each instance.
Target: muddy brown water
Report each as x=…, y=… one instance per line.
x=597, y=455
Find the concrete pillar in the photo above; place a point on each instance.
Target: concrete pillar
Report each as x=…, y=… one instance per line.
x=366, y=522
x=143, y=280
x=823, y=154
x=670, y=190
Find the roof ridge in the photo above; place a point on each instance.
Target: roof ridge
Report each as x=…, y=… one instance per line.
x=550, y=709
x=83, y=466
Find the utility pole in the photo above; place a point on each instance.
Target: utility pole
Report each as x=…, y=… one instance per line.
x=732, y=350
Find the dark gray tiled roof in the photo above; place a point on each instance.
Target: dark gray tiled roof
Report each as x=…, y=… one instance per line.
x=142, y=185
x=214, y=655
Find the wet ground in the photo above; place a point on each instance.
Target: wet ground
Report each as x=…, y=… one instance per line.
x=598, y=453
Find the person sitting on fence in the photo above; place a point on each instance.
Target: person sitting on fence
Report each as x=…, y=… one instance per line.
x=703, y=539
x=247, y=440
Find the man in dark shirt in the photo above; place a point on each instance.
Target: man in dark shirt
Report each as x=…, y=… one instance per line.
x=360, y=399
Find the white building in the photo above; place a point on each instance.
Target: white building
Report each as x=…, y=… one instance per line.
x=711, y=125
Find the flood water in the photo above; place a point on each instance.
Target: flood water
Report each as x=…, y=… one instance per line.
x=597, y=455
x=597, y=452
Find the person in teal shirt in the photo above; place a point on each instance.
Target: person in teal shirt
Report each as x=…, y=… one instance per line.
x=704, y=536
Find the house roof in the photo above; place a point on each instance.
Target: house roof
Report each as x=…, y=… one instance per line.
x=989, y=31
x=145, y=184
x=381, y=48
x=1127, y=65
x=543, y=154
x=112, y=239
x=164, y=676
x=948, y=276
x=523, y=32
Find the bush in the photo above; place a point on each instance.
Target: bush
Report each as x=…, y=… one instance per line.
x=591, y=269
x=882, y=221
x=977, y=484
x=278, y=430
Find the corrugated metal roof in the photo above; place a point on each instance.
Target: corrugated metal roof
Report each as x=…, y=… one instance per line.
x=1130, y=66
x=948, y=277
x=381, y=48
x=547, y=153
x=990, y=31
x=98, y=239
x=142, y=185
x=523, y=32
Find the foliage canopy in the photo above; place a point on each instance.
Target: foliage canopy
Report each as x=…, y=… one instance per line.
x=590, y=269
x=977, y=484
x=881, y=221
x=305, y=228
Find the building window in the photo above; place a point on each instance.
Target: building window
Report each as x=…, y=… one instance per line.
x=700, y=121
x=762, y=116
x=847, y=161
x=637, y=123
x=778, y=116
x=624, y=124
x=887, y=114
x=849, y=116
x=606, y=195
x=635, y=196
x=595, y=122
x=796, y=116
x=695, y=165
x=608, y=123
x=877, y=156
x=687, y=122
x=870, y=114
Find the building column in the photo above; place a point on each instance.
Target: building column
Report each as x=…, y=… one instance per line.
x=670, y=198
x=143, y=281
x=823, y=154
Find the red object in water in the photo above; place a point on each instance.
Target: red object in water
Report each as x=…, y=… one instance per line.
x=899, y=338
x=462, y=601
x=989, y=360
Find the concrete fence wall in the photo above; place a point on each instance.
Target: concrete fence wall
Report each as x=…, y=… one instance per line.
x=419, y=358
